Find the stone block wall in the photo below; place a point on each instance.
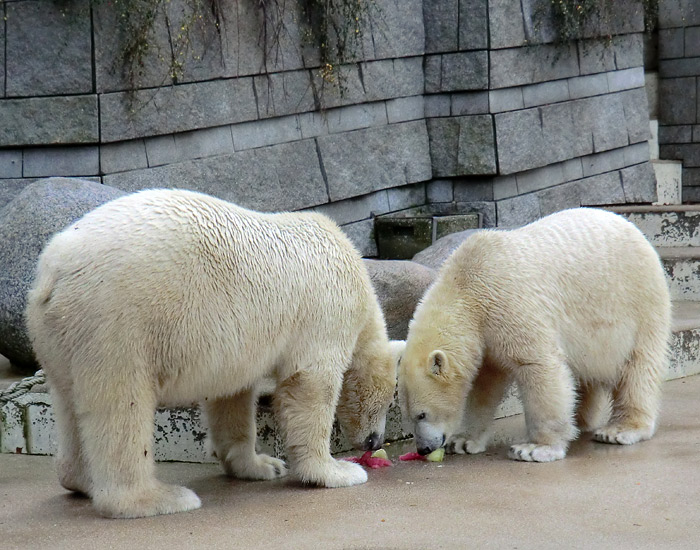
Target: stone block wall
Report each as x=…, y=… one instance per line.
x=679, y=89
x=449, y=101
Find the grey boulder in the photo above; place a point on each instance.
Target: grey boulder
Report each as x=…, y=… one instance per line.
x=26, y=224
x=436, y=254
x=399, y=284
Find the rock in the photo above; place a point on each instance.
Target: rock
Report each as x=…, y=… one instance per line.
x=435, y=255
x=26, y=224
x=399, y=285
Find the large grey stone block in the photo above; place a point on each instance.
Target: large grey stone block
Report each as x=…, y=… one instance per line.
x=629, y=50
x=261, y=133
x=506, y=99
x=675, y=68
x=473, y=24
x=639, y=183
x=540, y=178
x=461, y=71
x=505, y=187
x=392, y=78
x=439, y=191
x=403, y=109
x=596, y=56
x=367, y=160
x=176, y=109
x=356, y=208
x=438, y=105
x=469, y=103
x=2, y=61
x=62, y=161
x=603, y=162
x=506, y=26
x=461, y=146
x=361, y=234
x=26, y=224
x=602, y=189
x=671, y=43
x=587, y=86
x=112, y=72
x=518, y=211
x=520, y=141
x=625, y=79
x=406, y=196
x=689, y=153
x=634, y=103
x=355, y=117
x=692, y=41
x=637, y=153
x=677, y=100
x=10, y=163
x=518, y=66
x=399, y=284
x=285, y=93
x=558, y=198
x=280, y=177
x=399, y=30
x=49, y=120
x=602, y=118
x=619, y=17
x=545, y=92
x=123, y=156
x=678, y=13
x=441, y=20
x=48, y=48
x=207, y=142
x=473, y=189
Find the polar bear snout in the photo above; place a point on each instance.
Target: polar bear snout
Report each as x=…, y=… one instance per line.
x=428, y=439
x=373, y=442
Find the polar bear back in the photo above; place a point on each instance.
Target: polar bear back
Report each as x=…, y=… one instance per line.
x=207, y=283
x=585, y=278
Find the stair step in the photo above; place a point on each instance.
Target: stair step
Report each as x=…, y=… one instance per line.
x=27, y=424
x=682, y=265
x=666, y=226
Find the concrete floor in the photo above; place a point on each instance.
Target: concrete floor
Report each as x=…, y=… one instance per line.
x=600, y=496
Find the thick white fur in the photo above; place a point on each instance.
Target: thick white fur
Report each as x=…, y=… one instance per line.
x=575, y=302
x=170, y=297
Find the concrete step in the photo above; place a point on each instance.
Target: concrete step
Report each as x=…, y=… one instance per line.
x=666, y=226
x=27, y=424
x=682, y=265
x=669, y=178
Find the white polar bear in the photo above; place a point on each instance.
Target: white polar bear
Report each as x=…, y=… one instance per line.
x=171, y=297
x=575, y=302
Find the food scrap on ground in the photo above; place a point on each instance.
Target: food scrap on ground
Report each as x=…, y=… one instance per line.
x=437, y=455
x=377, y=460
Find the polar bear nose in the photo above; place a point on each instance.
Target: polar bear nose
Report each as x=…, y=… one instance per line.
x=373, y=442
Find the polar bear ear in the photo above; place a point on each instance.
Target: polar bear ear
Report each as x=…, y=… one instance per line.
x=437, y=362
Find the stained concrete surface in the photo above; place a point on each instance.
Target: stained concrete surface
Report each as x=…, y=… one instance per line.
x=600, y=496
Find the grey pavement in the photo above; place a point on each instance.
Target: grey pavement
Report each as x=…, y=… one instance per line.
x=600, y=496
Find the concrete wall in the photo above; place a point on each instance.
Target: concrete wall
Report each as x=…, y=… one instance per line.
x=679, y=89
x=465, y=102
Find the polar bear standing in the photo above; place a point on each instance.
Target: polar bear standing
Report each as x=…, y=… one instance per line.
x=575, y=302
x=171, y=297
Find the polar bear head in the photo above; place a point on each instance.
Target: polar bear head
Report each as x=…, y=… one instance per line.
x=368, y=391
x=435, y=374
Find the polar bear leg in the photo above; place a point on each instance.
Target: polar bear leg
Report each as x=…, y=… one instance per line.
x=305, y=405
x=548, y=393
x=70, y=465
x=593, y=409
x=485, y=396
x=116, y=429
x=231, y=422
x=636, y=397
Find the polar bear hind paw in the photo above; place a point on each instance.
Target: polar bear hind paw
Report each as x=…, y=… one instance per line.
x=336, y=473
x=618, y=435
x=162, y=499
x=532, y=452
x=261, y=467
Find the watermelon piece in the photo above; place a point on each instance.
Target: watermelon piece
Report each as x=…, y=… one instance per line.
x=369, y=461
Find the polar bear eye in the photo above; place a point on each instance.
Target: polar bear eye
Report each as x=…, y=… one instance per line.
x=421, y=416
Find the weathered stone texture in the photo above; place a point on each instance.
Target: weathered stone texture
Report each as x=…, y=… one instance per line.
x=602, y=189
x=457, y=72
x=122, y=156
x=518, y=210
x=473, y=24
x=10, y=188
x=48, y=48
x=397, y=31
x=361, y=234
x=62, y=161
x=376, y=158
x=462, y=146
x=639, y=183
x=284, y=93
x=406, y=196
x=261, y=133
x=2, y=55
x=252, y=178
x=176, y=109
x=441, y=19
x=559, y=198
x=469, y=103
x=518, y=66
x=356, y=208
x=403, y=109
x=50, y=120
x=671, y=43
x=678, y=13
x=682, y=108
x=506, y=27
x=10, y=163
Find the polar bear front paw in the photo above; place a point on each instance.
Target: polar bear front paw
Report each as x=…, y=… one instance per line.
x=459, y=444
x=161, y=499
x=621, y=436
x=531, y=452
x=336, y=473
x=257, y=467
